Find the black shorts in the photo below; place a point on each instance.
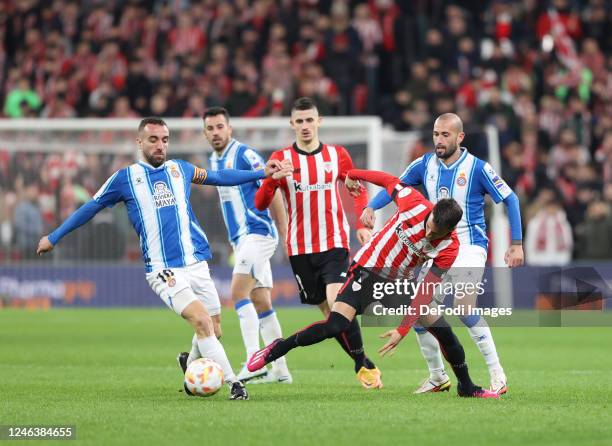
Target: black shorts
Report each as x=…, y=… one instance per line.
x=362, y=288
x=313, y=272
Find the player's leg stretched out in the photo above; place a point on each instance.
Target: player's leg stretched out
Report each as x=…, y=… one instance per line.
x=338, y=323
x=320, y=278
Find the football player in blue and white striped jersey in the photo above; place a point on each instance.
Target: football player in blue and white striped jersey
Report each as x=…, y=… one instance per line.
x=254, y=238
x=452, y=172
x=174, y=247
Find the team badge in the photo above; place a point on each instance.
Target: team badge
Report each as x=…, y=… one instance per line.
x=174, y=172
x=328, y=166
x=228, y=164
x=461, y=180
x=443, y=192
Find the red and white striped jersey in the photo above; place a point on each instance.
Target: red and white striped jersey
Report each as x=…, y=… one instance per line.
x=400, y=245
x=317, y=220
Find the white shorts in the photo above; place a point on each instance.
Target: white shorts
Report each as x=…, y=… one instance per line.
x=252, y=256
x=468, y=268
x=168, y=282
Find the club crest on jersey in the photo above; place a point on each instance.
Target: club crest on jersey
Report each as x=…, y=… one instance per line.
x=174, y=172
x=461, y=180
x=228, y=164
x=443, y=192
x=328, y=166
x=162, y=196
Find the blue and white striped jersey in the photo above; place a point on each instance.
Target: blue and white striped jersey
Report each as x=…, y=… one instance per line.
x=238, y=202
x=157, y=201
x=467, y=180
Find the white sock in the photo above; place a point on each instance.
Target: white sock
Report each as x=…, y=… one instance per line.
x=211, y=348
x=270, y=330
x=481, y=334
x=430, y=349
x=195, y=351
x=249, y=325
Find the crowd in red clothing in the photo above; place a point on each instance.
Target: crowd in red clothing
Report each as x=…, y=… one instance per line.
x=541, y=72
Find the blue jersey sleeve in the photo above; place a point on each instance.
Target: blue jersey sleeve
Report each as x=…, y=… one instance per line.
x=411, y=176
x=251, y=160
x=78, y=218
x=232, y=177
x=493, y=184
x=111, y=191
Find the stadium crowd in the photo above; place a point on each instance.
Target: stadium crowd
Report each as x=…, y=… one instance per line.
x=543, y=78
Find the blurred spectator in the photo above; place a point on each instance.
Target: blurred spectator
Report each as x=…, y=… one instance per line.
x=595, y=240
x=28, y=223
x=20, y=95
x=548, y=239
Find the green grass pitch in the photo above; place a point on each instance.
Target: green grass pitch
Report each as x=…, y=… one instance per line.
x=113, y=374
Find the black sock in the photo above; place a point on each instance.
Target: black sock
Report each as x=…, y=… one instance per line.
x=313, y=334
x=352, y=343
x=453, y=352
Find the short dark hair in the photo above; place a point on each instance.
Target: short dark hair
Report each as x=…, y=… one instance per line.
x=151, y=120
x=446, y=214
x=304, y=103
x=215, y=111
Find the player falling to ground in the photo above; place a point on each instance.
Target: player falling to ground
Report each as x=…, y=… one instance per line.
x=451, y=171
x=254, y=238
x=318, y=232
x=416, y=233
x=174, y=247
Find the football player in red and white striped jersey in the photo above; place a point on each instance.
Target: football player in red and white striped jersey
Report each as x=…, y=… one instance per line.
x=318, y=231
x=416, y=233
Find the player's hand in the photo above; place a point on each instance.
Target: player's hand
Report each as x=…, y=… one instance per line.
x=368, y=218
x=353, y=186
x=44, y=245
x=271, y=167
x=363, y=235
x=514, y=256
x=394, y=338
x=278, y=169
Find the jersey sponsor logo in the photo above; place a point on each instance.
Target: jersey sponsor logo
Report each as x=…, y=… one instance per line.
x=498, y=182
x=162, y=196
x=461, y=179
x=422, y=257
x=299, y=187
x=443, y=192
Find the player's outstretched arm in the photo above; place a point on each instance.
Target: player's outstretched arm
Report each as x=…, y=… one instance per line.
x=265, y=193
x=78, y=218
x=514, y=255
x=382, y=179
x=235, y=177
x=423, y=296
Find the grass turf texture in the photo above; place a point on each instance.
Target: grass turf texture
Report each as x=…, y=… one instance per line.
x=113, y=374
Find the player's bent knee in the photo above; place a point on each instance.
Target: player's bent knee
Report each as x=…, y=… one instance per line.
x=336, y=324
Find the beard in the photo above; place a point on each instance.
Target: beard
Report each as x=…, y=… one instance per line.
x=155, y=160
x=448, y=151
